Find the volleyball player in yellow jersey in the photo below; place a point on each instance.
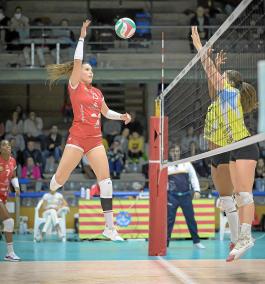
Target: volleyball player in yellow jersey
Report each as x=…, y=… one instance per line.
x=233, y=99
x=220, y=164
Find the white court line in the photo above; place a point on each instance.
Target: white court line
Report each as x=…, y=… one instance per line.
x=180, y=275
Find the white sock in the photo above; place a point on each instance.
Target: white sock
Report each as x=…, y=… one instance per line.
x=10, y=248
x=229, y=207
x=233, y=221
x=54, y=185
x=246, y=229
x=108, y=215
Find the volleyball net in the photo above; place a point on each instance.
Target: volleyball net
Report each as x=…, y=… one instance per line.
x=206, y=108
x=202, y=114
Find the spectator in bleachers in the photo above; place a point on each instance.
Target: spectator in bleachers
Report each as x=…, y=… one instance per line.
x=33, y=129
x=111, y=128
x=260, y=169
x=136, y=146
x=200, y=20
x=123, y=140
x=135, y=125
x=187, y=140
x=14, y=123
x=66, y=36
x=34, y=153
x=54, y=142
x=4, y=22
x=20, y=111
x=16, y=152
x=20, y=24
x=115, y=157
x=14, y=134
x=31, y=170
x=2, y=130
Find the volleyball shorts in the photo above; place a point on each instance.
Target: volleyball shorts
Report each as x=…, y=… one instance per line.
x=220, y=159
x=84, y=144
x=250, y=152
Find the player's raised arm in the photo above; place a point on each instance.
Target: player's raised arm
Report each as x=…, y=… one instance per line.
x=78, y=57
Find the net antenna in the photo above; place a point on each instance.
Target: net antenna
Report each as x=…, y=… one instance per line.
x=192, y=73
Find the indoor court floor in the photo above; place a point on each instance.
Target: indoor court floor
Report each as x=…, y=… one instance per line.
x=127, y=262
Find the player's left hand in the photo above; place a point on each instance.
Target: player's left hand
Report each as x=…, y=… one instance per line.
x=17, y=190
x=196, y=195
x=126, y=118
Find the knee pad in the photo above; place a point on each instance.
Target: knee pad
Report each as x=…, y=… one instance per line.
x=105, y=188
x=243, y=198
x=8, y=225
x=226, y=204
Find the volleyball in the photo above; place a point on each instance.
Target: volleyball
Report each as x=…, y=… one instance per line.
x=125, y=28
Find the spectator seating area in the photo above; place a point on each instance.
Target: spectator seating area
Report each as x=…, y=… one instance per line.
x=62, y=25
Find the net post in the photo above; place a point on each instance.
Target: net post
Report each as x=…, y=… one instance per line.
x=158, y=191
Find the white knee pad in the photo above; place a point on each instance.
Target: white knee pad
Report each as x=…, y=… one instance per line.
x=226, y=204
x=54, y=185
x=8, y=225
x=105, y=188
x=243, y=198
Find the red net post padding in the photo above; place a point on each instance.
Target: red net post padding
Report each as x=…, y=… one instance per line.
x=158, y=190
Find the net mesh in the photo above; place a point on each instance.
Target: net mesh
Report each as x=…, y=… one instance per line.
x=207, y=105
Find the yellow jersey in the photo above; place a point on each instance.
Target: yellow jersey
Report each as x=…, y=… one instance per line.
x=224, y=123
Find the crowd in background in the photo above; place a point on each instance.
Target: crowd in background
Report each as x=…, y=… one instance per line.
x=38, y=151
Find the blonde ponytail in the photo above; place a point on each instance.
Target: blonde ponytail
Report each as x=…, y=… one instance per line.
x=248, y=97
x=58, y=71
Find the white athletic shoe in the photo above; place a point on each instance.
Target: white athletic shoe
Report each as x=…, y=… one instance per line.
x=12, y=257
x=244, y=243
x=111, y=233
x=199, y=246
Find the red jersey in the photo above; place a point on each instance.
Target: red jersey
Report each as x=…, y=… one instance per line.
x=7, y=169
x=86, y=102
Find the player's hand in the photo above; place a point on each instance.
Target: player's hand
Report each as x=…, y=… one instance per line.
x=84, y=28
x=126, y=118
x=220, y=59
x=17, y=191
x=196, y=195
x=196, y=38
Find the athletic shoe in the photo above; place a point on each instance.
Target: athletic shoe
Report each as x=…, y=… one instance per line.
x=244, y=243
x=111, y=233
x=199, y=246
x=12, y=257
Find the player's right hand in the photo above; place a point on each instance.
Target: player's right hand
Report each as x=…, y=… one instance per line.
x=84, y=28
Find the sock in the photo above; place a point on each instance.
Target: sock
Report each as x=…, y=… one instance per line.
x=233, y=221
x=229, y=207
x=10, y=248
x=54, y=185
x=246, y=229
x=108, y=215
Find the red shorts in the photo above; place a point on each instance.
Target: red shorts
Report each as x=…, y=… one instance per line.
x=84, y=144
x=3, y=196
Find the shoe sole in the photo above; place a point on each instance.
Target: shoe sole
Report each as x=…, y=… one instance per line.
x=237, y=256
x=111, y=239
x=12, y=260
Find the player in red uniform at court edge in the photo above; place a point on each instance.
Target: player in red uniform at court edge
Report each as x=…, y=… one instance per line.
x=7, y=175
x=85, y=136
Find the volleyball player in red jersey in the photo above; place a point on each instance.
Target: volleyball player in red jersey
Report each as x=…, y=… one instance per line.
x=7, y=175
x=85, y=134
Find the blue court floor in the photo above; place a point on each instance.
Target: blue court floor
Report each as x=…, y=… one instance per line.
x=53, y=250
